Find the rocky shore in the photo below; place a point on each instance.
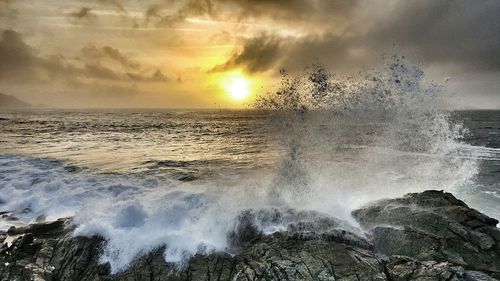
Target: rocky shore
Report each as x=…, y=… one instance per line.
x=422, y=236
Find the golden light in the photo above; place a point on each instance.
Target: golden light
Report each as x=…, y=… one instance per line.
x=237, y=86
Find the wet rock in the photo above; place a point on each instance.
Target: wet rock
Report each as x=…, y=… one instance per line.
x=434, y=226
x=41, y=218
x=287, y=258
x=53, y=228
x=52, y=253
x=427, y=236
x=477, y=276
x=104, y=269
x=401, y=268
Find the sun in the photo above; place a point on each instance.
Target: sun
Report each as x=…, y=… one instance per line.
x=237, y=86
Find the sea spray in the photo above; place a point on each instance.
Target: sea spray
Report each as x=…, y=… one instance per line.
x=350, y=139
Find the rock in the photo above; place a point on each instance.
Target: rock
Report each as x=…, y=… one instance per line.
x=433, y=226
x=312, y=246
x=477, y=276
x=42, y=228
x=41, y=218
x=104, y=269
x=284, y=258
x=400, y=268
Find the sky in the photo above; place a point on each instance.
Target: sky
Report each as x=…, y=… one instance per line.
x=200, y=53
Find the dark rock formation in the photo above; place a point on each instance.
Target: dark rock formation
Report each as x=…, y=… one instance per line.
x=434, y=226
x=426, y=236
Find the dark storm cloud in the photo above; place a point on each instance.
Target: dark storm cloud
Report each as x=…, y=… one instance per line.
x=462, y=33
x=315, y=10
x=182, y=11
x=156, y=76
x=259, y=8
x=331, y=50
x=268, y=52
x=117, y=4
x=289, y=9
x=152, y=12
x=21, y=62
x=99, y=71
x=15, y=55
x=93, y=52
x=258, y=54
x=82, y=13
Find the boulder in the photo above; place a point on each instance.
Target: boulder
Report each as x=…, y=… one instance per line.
x=433, y=226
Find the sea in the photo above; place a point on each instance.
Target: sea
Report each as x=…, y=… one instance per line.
x=145, y=178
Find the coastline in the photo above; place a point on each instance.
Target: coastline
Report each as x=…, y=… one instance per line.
x=422, y=236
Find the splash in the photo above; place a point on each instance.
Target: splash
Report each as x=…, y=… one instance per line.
x=380, y=134
x=345, y=141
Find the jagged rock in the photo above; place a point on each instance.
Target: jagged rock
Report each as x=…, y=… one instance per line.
x=434, y=226
x=41, y=228
x=401, y=268
x=275, y=257
x=311, y=247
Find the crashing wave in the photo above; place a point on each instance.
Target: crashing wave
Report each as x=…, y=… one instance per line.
x=346, y=141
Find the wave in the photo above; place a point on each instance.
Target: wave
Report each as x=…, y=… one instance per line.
x=346, y=141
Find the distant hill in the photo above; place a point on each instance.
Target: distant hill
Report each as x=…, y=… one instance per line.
x=7, y=101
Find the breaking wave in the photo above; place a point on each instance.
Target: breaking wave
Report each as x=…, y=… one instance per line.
x=346, y=141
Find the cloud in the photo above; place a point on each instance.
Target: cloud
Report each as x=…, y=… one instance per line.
x=221, y=37
x=7, y=12
x=117, y=4
x=156, y=76
x=342, y=33
x=166, y=13
x=15, y=55
x=82, y=13
x=182, y=11
x=21, y=62
x=99, y=71
x=315, y=10
x=93, y=52
x=289, y=10
x=270, y=52
x=461, y=33
x=258, y=54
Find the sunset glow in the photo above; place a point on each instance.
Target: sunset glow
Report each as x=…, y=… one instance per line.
x=238, y=87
